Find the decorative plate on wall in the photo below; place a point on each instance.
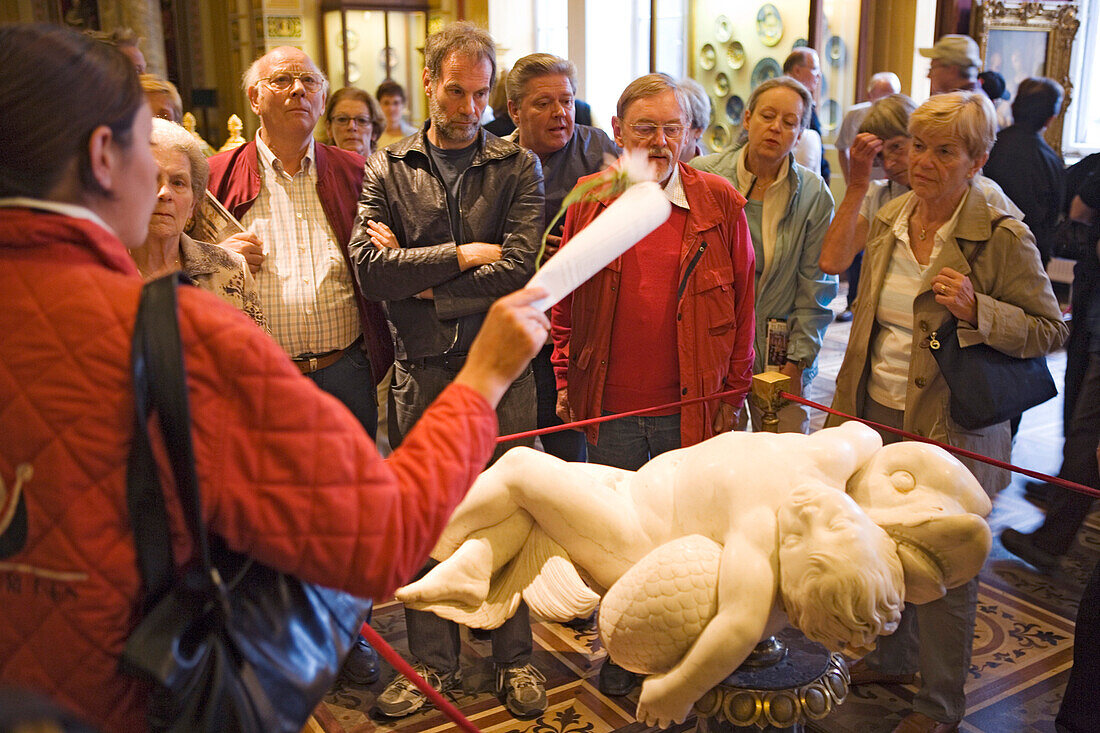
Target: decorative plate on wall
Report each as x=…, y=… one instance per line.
x=707, y=57
x=388, y=58
x=719, y=138
x=769, y=26
x=735, y=54
x=353, y=73
x=353, y=40
x=723, y=29
x=836, y=52
x=800, y=43
x=721, y=84
x=735, y=109
x=765, y=69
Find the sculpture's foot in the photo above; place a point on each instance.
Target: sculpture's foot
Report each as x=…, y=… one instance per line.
x=459, y=580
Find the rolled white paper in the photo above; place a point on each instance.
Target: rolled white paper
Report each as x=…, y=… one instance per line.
x=624, y=223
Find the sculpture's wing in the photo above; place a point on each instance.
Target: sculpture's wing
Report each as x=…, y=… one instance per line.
x=553, y=588
x=541, y=574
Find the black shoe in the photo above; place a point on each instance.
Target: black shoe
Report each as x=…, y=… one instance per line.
x=845, y=316
x=1023, y=546
x=362, y=666
x=1038, y=493
x=614, y=681
x=581, y=623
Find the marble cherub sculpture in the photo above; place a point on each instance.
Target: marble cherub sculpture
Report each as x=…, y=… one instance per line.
x=707, y=550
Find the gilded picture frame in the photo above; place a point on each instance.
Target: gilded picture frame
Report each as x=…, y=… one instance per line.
x=1022, y=39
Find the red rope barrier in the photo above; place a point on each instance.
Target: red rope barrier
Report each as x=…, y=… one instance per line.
x=616, y=416
x=1072, y=485
x=405, y=669
x=1057, y=481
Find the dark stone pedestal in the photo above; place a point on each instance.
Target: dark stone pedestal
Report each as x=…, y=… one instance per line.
x=777, y=692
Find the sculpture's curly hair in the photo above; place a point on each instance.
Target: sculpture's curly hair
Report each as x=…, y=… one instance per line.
x=850, y=595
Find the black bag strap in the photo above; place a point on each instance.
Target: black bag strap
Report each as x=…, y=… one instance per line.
x=160, y=385
x=981, y=245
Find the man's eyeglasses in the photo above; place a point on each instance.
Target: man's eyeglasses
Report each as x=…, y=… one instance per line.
x=344, y=120
x=649, y=129
x=311, y=81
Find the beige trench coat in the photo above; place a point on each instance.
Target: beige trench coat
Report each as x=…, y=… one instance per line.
x=1017, y=314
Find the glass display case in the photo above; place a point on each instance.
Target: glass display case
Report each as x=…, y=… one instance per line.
x=364, y=47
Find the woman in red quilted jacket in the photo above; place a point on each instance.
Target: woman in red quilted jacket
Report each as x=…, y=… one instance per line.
x=288, y=475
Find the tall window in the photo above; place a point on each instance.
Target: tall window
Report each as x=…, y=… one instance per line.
x=617, y=34
x=616, y=41
x=1082, y=126
x=552, y=27
x=671, y=31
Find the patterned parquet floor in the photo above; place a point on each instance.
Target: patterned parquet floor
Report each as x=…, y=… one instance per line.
x=1023, y=642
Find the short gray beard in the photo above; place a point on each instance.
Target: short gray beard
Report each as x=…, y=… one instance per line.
x=447, y=130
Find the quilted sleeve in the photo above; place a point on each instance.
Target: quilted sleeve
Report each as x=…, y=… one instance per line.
x=289, y=476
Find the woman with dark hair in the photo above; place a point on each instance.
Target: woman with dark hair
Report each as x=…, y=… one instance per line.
x=353, y=121
x=391, y=96
x=288, y=475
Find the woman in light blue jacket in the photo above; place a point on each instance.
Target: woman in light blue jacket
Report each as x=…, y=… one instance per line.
x=789, y=209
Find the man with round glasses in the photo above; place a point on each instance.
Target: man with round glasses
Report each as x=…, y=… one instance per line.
x=297, y=198
x=669, y=320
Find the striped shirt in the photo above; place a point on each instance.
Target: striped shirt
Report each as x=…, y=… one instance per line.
x=305, y=286
x=893, y=344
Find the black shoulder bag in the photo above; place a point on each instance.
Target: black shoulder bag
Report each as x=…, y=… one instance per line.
x=229, y=645
x=987, y=386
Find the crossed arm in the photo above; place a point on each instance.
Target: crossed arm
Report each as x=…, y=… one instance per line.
x=462, y=278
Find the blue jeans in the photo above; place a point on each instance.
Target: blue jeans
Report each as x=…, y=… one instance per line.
x=630, y=442
x=349, y=380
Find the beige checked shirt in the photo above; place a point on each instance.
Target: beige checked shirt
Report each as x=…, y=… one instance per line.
x=305, y=286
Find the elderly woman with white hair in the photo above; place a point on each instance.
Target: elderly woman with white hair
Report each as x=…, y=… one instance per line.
x=700, y=119
x=927, y=259
x=181, y=185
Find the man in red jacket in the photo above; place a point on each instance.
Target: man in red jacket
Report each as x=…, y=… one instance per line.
x=670, y=319
x=297, y=198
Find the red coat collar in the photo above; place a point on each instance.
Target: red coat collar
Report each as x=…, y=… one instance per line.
x=30, y=233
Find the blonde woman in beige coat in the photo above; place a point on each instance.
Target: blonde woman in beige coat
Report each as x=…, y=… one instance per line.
x=916, y=275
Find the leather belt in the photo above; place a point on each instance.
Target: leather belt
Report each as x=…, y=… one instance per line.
x=449, y=362
x=310, y=364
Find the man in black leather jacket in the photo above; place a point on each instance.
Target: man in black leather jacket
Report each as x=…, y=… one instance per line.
x=449, y=220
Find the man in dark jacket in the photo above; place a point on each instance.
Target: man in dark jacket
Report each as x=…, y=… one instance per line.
x=449, y=221
x=1031, y=173
x=542, y=101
